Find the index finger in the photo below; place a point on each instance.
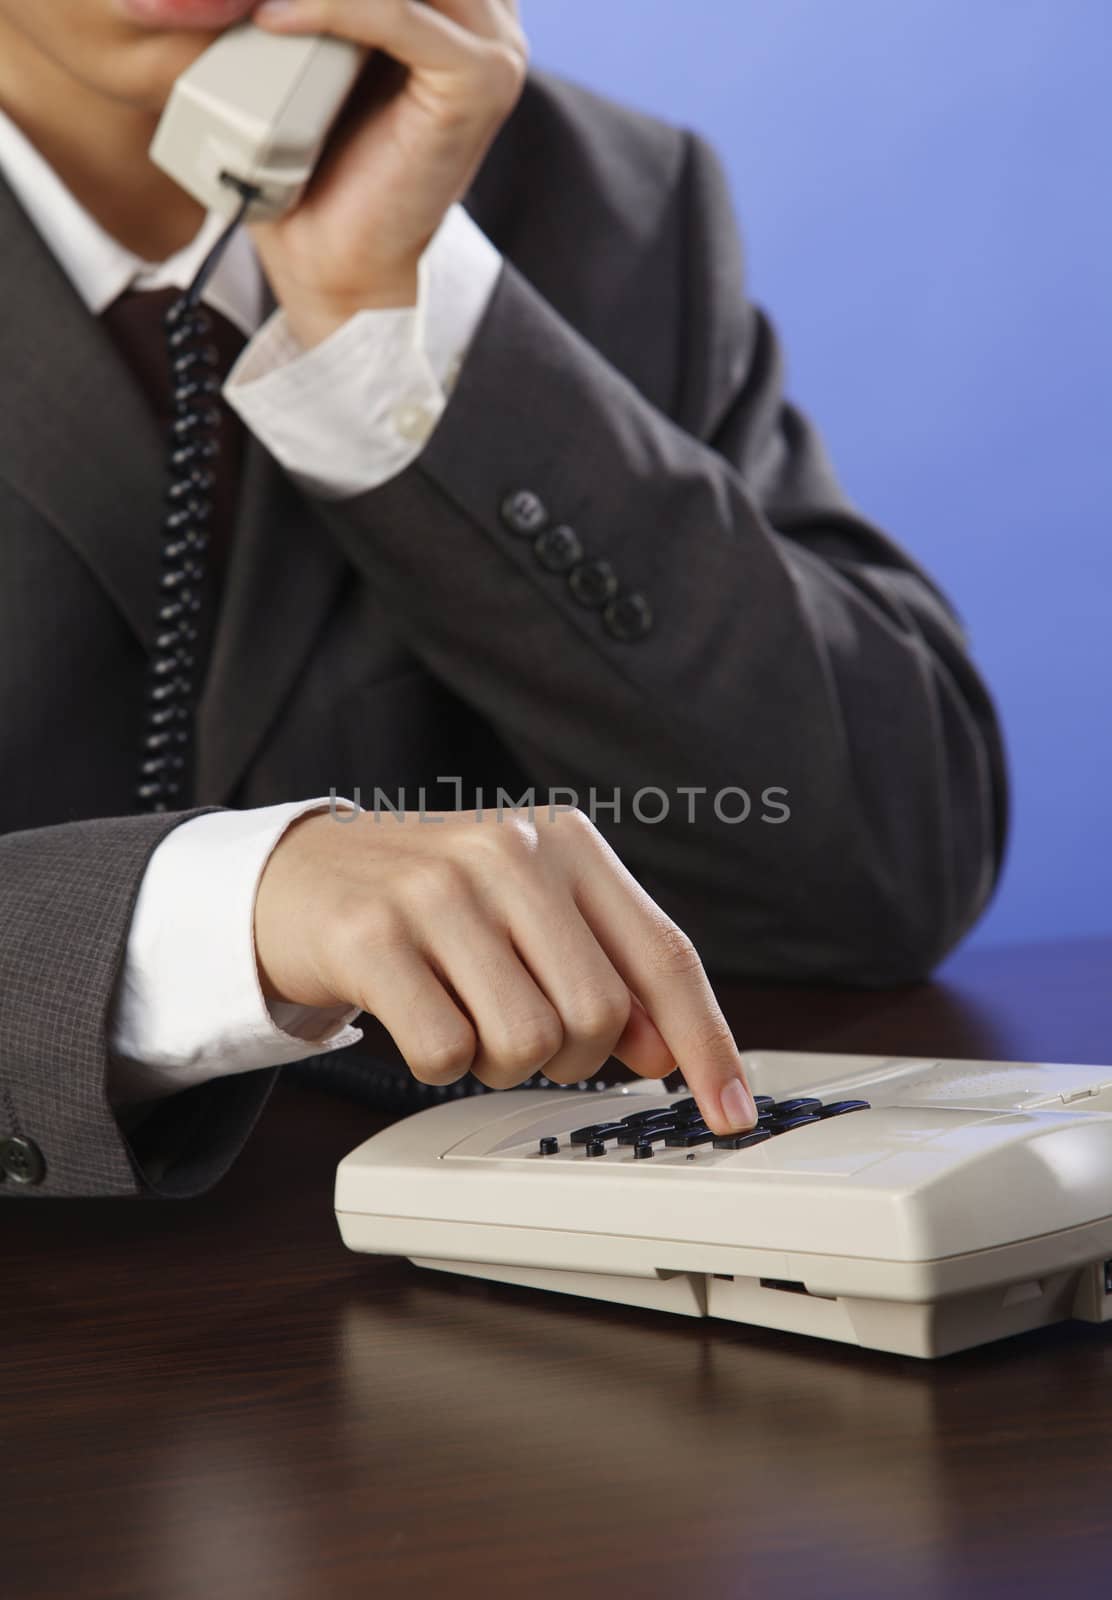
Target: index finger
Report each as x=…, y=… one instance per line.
x=660, y=965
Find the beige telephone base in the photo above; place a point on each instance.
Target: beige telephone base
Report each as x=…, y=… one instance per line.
x=970, y=1201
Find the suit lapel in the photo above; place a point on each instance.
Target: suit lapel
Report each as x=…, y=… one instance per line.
x=77, y=440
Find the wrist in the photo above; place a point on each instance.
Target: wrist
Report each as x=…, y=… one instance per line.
x=313, y=319
x=285, y=915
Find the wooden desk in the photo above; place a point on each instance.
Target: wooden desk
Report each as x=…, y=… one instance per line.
x=214, y=1397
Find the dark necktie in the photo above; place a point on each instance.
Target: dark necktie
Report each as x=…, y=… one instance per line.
x=135, y=322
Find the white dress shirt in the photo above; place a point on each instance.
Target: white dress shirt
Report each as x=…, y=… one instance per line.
x=341, y=418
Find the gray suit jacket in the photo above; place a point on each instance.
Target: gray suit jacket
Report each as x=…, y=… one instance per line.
x=383, y=640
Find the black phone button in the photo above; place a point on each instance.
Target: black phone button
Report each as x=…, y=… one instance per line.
x=742, y=1141
x=838, y=1108
x=683, y=1137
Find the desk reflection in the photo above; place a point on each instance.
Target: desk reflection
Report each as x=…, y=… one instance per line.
x=747, y=1462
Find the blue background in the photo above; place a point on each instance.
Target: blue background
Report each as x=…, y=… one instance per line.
x=923, y=190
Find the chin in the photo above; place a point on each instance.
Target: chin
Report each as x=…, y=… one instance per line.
x=146, y=72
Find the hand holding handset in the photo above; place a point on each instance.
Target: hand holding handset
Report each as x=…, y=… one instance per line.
x=259, y=107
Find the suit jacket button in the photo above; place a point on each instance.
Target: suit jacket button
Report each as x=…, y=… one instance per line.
x=21, y=1160
x=628, y=618
x=524, y=513
x=558, y=549
x=594, y=583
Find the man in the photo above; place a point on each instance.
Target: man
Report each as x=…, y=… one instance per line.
x=522, y=508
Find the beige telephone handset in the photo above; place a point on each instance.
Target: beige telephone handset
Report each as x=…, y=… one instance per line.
x=259, y=107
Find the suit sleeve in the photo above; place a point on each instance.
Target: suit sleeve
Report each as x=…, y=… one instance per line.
x=764, y=638
x=67, y=895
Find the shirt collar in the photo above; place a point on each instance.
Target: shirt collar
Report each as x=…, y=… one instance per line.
x=100, y=268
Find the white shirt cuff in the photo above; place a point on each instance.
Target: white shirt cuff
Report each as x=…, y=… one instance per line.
x=357, y=409
x=189, y=1005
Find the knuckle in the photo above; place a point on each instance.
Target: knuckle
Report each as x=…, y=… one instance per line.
x=444, y=1059
x=563, y=831
x=672, y=953
x=573, y=820
x=527, y=1044
x=508, y=841
x=580, y=841
x=517, y=834
x=600, y=1016
x=433, y=882
x=711, y=1036
x=506, y=65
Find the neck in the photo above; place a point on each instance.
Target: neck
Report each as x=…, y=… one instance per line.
x=98, y=147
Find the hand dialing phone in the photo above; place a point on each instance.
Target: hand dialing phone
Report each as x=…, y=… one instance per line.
x=257, y=106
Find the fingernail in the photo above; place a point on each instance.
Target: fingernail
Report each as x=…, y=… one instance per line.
x=737, y=1105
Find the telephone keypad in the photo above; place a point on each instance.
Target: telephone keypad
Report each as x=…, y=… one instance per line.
x=681, y=1126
